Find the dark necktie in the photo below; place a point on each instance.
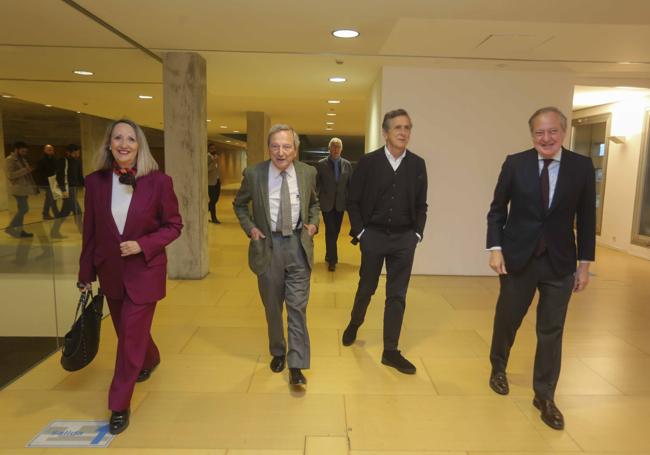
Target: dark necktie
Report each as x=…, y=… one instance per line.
x=545, y=189
x=337, y=170
x=284, y=212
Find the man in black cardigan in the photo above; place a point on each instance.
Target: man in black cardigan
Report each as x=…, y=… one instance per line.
x=387, y=206
x=539, y=194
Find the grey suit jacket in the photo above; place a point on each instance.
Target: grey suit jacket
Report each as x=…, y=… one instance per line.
x=254, y=194
x=332, y=194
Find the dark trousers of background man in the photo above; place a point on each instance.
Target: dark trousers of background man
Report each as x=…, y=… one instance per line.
x=70, y=206
x=49, y=204
x=516, y=295
x=333, y=220
x=397, y=249
x=213, y=194
x=22, y=207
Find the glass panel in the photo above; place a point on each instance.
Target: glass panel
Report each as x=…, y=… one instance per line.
x=644, y=209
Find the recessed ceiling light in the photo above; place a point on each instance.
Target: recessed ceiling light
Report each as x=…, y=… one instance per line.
x=48, y=105
x=83, y=73
x=334, y=101
x=145, y=97
x=235, y=131
x=331, y=114
x=329, y=123
x=228, y=141
x=6, y=96
x=624, y=63
x=337, y=79
x=78, y=112
x=345, y=33
x=329, y=128
x=208, y=120
x=223, y=126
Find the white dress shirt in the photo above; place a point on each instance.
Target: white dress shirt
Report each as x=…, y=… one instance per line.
x=553, y=171
x=275, y=184
x=394, y=162
x=120, y=202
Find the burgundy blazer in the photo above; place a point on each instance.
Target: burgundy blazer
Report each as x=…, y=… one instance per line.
x=153, y=221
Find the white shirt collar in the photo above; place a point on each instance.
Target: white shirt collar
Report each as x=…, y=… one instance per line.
x=390, y=155
x=557, y=157
x=274, y=172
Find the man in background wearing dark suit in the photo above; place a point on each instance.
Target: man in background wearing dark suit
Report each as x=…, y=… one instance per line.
x=533, y=247
x=387, y=205
x=332, y=181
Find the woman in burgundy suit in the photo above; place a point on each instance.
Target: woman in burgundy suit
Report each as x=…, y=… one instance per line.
x=131, y=214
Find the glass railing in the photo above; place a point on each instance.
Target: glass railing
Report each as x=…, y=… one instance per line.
x=38, y=293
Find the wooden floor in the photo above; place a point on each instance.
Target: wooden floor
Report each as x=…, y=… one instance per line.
x=214, y=393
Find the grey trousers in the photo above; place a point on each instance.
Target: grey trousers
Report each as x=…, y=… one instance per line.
x=287, y=281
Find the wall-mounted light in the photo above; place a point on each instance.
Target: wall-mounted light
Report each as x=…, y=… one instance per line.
x=616, y=139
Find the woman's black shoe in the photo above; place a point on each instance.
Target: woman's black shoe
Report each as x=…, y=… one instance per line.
x=119, y=421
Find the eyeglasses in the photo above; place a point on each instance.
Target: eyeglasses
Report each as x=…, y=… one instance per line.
x=284, y=147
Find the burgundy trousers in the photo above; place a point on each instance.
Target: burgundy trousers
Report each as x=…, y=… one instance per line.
x=135, y=348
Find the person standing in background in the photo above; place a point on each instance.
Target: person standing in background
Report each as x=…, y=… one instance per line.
x=214, y=182
x=46, y=168
x=333, y=181
x=69, y=177
x=21, y=186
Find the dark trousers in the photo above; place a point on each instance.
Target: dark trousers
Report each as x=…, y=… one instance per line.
x=135, y=348
x=49, y=204
x=69, y=207
x=333, y=220
x=22, y=207
x=213, y=194
x=398, y=251
x=516, y=295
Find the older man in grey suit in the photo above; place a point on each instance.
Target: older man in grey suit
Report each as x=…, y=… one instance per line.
x=281, y=226
x=333, y=181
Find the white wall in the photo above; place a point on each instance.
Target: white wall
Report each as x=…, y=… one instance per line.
x=621, y=174
x=464, y=124
x=374, y=117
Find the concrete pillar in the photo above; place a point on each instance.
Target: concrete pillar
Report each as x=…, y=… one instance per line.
x=4, y=197
x=184, y=91
x=92, y=134
x=257, y=127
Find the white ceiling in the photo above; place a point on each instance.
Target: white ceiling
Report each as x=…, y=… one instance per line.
x=276, y=56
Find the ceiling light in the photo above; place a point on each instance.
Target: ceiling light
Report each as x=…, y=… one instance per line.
x=229, y=141
x=235, y=131
x=223, y=126
x=331, y=114
x=48, y=105
x=343, y=33
x=329, y=128
x=145, y=97
x=208, y=120
x=624, y=63
x=78, y=112
x=83, y=73
x=334, y=101
x=329, y=123
x=6, y=96
x=337, y=79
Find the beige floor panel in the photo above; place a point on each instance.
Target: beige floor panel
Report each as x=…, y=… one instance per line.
x=444, y=343
x=246, y=296
x=188, y=293
x=470, y=298
x=630, y=375
x=420, y=423
x=326, y=445
x=44, y=376
x=401, y=452
x=613, y=424
x=254, y=421
x=25, y=414
x=264, y=452
x=347, y=375
x=130, y=451
x=254, y=341
x=177, y=373
x=637, y=338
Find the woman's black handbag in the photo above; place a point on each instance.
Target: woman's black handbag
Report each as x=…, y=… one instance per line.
x=82, y=341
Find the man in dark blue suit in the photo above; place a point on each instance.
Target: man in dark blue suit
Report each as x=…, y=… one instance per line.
x=539, y=195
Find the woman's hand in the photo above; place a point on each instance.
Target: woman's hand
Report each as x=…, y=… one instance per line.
x=83, y=287
x=129, y=248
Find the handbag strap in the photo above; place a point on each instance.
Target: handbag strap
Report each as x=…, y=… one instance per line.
x=83, y=300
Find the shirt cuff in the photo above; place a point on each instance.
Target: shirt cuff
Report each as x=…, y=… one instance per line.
x=419, y=237
x=360, y=234
x=493, y=248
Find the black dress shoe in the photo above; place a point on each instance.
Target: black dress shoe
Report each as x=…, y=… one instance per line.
x=145, y=373
x=396, y=360
x=119, y=421
x=25, y=235
x=350, y=334
x=331, y=266
x=277, y=363
x=550, y=414
x=296, y=377
x=499, y=383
